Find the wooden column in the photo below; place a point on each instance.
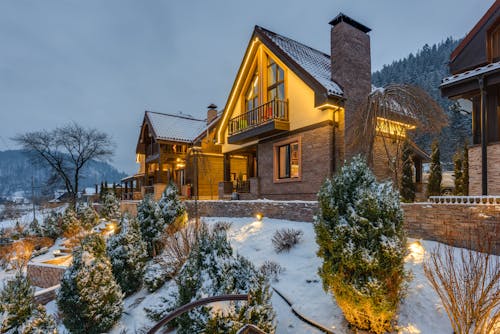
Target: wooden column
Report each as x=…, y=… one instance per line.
x=484, y=136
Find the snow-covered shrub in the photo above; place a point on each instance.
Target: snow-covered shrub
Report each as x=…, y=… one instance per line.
x=211, y=270
x=110, y=206
x=127, y=253
x=155, y=275
x=221, y=225
x=87, y=216
x=90, y=300
x=152, y=224
x=173, y=210
x=16, y=303
x=71, y=227
x=39, y=323
x=34, y=228
x=52, y=225
x=407, y=185
x=362, y=242
x=272, y=270
x=285, y=239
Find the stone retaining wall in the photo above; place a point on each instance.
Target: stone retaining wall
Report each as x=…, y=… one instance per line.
x=44, y=275
x=46, y=295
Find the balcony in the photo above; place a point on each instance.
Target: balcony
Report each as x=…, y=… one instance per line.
x=265, y=120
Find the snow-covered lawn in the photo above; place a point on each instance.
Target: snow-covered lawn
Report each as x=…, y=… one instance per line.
x=421, y=312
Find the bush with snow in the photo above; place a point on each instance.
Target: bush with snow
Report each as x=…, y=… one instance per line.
x=272, y=270
x=52, y=225
x=173, y=210
x=362, y=242
x=16, y=303
x=90, y=300
x=211, y=270
x=127, y=253
x=39, y=323
x=87, y=216
x=70, y=224
x=152, y=224
x=110, y=206
x=156, y=273
x=285, y=239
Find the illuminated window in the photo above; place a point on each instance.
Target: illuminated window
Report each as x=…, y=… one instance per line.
x=252, y=95
x=275, y=81
x=287, y=161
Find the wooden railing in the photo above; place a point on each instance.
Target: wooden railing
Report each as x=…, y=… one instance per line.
x=185, y=308
x=272, y=110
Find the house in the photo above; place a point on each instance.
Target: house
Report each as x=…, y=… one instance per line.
x=179, y=149
x=475, y=76
x=290, y=111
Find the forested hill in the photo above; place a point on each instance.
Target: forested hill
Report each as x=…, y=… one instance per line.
x=426, y=68
x=17, y=171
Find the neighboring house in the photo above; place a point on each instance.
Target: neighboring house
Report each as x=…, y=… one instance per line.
x=173, y=149
x=290, y=110
x=475, y=69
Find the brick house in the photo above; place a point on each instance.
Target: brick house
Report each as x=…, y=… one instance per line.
x=289, y=111
x=475, y=69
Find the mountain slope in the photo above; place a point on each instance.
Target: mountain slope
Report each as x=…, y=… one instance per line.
x=426, y=69
x=17, y=171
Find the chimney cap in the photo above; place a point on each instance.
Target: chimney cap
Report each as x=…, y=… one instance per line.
x=344, y=18
x=212, y=106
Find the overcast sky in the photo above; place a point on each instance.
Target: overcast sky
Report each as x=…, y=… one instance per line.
x=101, y=63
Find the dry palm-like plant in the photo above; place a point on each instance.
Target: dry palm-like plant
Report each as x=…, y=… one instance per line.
x=386, y=115
x=468, y=284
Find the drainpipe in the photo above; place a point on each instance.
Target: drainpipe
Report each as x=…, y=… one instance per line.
x=333, y=165
x=484, y=137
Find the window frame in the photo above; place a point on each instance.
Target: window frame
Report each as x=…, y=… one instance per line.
x=276, y=159
x=275, y=85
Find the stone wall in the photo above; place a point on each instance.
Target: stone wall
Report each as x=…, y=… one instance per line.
x=44, y=275
x=46, y=295
x=493, y=170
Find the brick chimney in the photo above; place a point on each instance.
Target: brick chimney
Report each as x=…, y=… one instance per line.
x=351, y=66
x=211, y=113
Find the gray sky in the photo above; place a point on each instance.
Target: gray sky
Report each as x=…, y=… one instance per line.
x=101, y=63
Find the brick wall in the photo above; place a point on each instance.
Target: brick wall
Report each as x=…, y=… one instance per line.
x=493, y=170
x=316, y=162
x=44, y=275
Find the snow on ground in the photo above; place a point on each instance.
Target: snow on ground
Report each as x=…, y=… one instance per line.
x=27, y=216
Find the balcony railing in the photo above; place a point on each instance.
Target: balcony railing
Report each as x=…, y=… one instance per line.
x=272, y=110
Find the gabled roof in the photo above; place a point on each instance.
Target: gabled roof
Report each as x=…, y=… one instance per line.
x=178, y=128
x=309, y=62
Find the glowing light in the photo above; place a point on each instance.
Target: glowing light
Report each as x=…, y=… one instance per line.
x=328, y=106
x=259, y=216
x=416, y=252
x=393, y=128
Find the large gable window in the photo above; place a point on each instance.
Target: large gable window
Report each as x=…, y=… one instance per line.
x=275, y=81
x=494, y=43
x=287, y=160
x=252, y=94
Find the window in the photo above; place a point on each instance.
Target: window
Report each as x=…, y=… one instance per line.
x=252, y=95
x=287, y=160
x=275, y=81
x=494, y=42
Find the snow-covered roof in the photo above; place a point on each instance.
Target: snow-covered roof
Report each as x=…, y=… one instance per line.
x=175, y=127
x=316, y=63
x=472, y=73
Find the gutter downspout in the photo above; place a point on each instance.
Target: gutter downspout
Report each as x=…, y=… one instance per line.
x=484, y=137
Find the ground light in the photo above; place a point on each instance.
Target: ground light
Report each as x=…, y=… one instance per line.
x=259, y=216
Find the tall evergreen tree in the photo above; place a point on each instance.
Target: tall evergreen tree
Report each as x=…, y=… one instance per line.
x=407, y=184
x=172, y=208
x=16, y=303
x=465, y=169
x=458, y=171
x=127, y=253
x=151, y=223
x=110, y=206
x=435, y=174
x=90, y=300
x=362, y=242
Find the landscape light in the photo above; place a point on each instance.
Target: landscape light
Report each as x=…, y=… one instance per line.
x=259, y=216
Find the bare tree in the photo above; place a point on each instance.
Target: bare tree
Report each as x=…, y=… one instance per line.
x=67, y=150
x=387, y=115
x=468, y=284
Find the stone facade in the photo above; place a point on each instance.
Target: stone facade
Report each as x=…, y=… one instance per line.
x=316, y=165
x=44, y=275
x=493, y=170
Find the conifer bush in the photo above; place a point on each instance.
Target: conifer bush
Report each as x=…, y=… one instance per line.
x=39, y=323
x=87, y=216
x=127, y=253
x=52, y=225
x=16, y=303
x=362, y=242
x=70, y=224
x=407, y=184
x=152, y=224
x=435, y=174
x=110, y=208
x=173, y=210
x=89, y=299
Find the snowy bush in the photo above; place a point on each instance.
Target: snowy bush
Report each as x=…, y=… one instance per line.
x=34, y=228
x=16, y=303
x=152, y=224
x=211, y=270
x=110, y=206
x=285, y=239
x=272, y=270
x=39, y=323
x=173, y=210
x=90, y=300
x=70, y=224
x=155, y=275
x=52, y=225
x=127, y=253
x=361, y=239
x=87, y=216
